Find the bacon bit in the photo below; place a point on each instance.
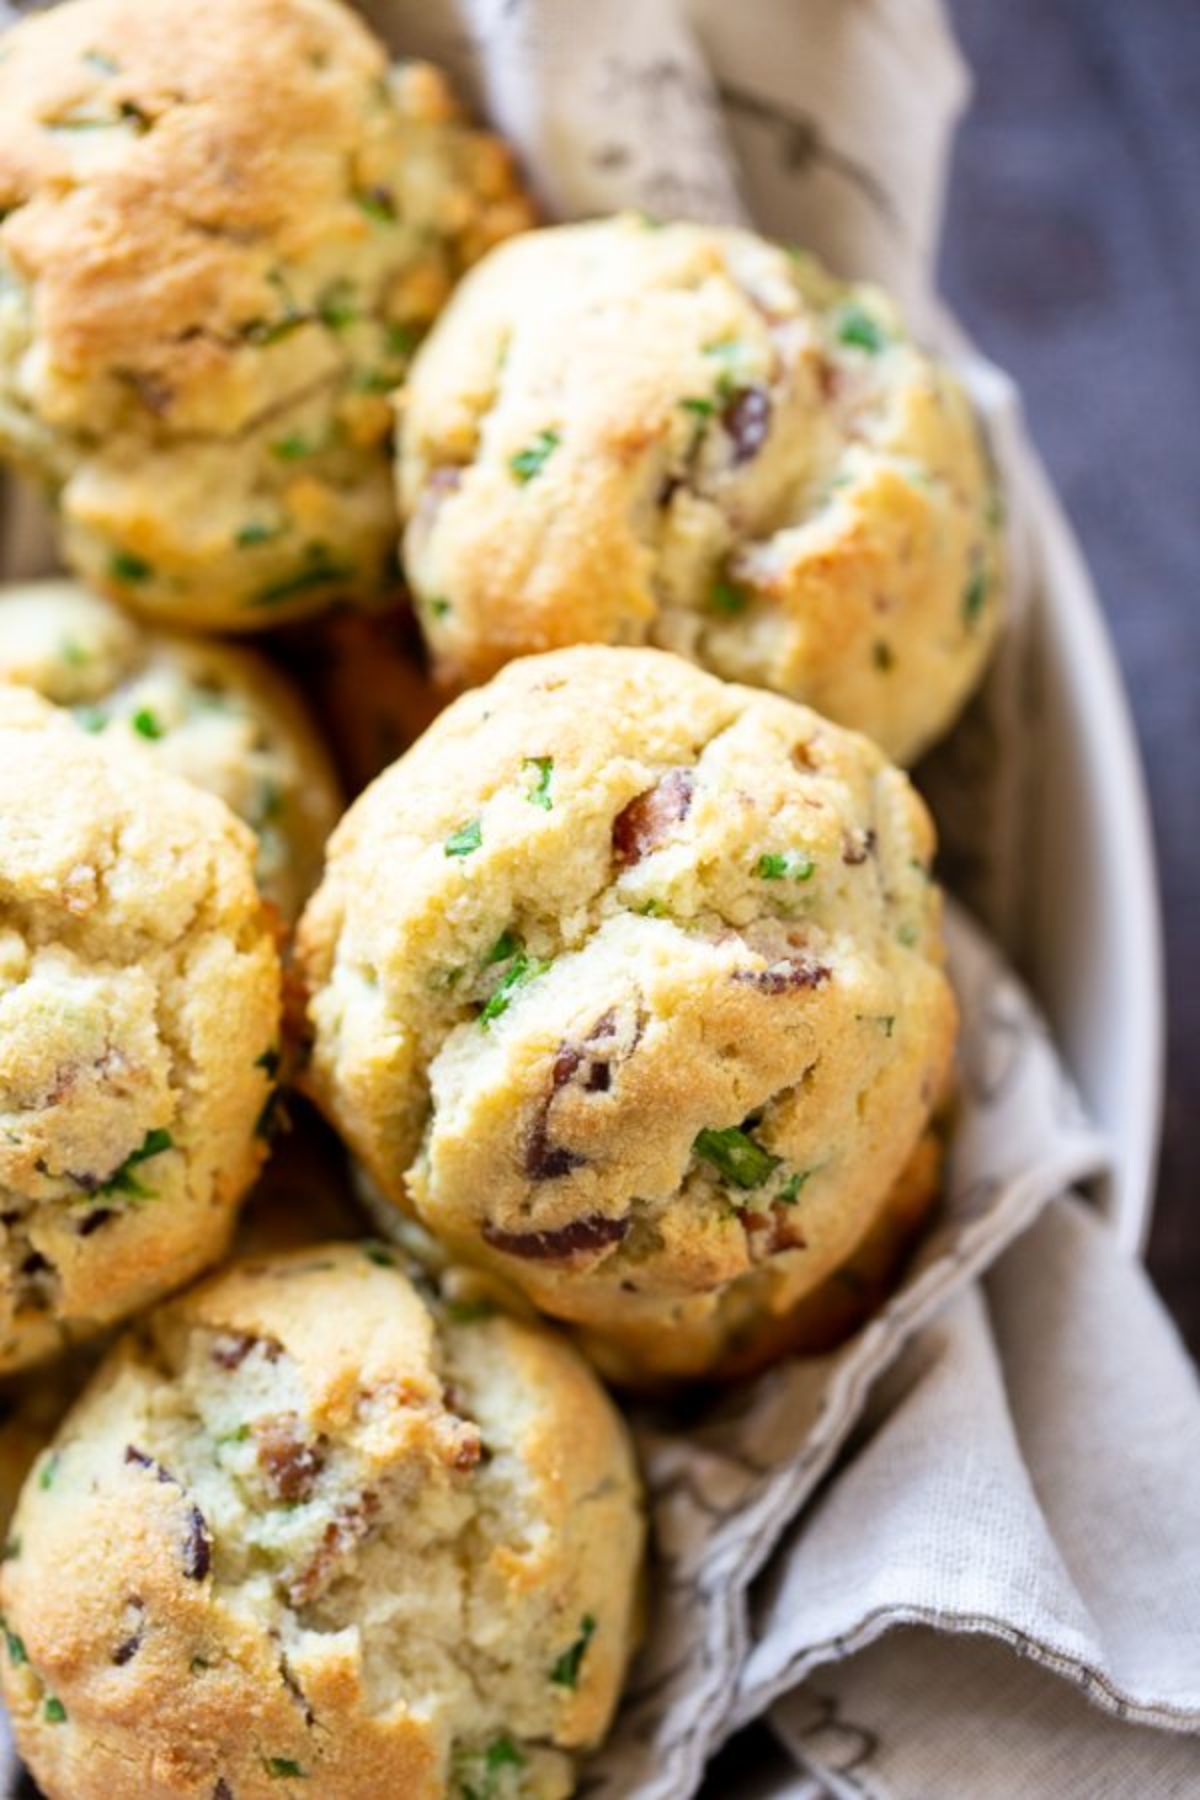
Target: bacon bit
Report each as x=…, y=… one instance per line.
x=339, y=1536
x=645, y=823
x=290, y=1465
x=594, y=1232
x=856, y=849
x=788, y=976
x=747, y=419
x=232, y=1348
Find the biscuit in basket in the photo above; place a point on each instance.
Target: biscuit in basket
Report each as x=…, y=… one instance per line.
x=224, y=228
x=139, y=1025
x=689, y=437
x=628, y=982
x=317, y=1528
x=216, y=714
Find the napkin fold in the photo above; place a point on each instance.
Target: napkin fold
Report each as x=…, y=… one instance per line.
x=1000, y=1588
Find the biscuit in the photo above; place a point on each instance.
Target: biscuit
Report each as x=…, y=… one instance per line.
x=218, y=715
x=139, y=1027
x=628, y=982
x=224, y=229
x=316, y=1528
x=689, y=437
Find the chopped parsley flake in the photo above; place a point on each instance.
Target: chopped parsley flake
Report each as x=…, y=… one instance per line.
x=402, y=340
x=123, y=565
x=271, y=331
x=11, y=1550
x=282, y=1768
x=540, y=769
x=437, y=607
x=319, y=573
x=146, y=724
x=785, y=865
x=17, y=1653
x=48, y=1471
x=908, y=936
x=335, y=306
x=252, y=534
x=735, y=1155
x=857, y=327
x=125, y=1181
x=378, y=204
x=565, y=1672
x=465, y=841
x=479, y=1774
x=292, y=447
x=54, y=1712
x=506, y=945
x=974, y=597
x=468, y=1312
x=522, y=970
x=725, y=596
x=375, y=1253
x=789, y=1193
x=74, y=655
x=90, y=718
x=531, y=461
x=700, y=405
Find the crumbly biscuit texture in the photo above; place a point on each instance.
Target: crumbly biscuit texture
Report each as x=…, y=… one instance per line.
x=686, y=436
x=629, y=982
x=225, y=227
x=218, y=715
x=320, y=1529
x=139, y=1024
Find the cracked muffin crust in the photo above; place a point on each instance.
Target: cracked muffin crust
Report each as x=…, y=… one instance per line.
x=318, y=1528
x=628, y=982
x=139, y=1026
x=224, y=229
x=689, y=437
x=217, y=715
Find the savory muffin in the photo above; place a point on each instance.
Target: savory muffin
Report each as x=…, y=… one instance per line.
x=318, y=1528
x=139, y=1025
x=224, y=228
x=219, y=716
x=629, y=983
x=686, y=436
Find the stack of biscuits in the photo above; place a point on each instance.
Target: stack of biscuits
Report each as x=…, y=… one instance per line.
x=357, y=1164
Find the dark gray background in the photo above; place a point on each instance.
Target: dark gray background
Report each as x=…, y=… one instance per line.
x=1073, y=257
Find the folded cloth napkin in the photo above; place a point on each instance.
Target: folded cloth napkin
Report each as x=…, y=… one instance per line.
x=1002, y=1581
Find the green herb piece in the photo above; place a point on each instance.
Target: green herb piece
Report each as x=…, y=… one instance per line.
x=146, y=724
x=252, y=534
x=48, y=1471
x=540, y=769
x=725, y=596
x=506, y=945
x=502, y=1753
x=520, y=972
x=374, y=381
x=651, y=909
x=735, y=1155
x=858, y=328
x=99, y=59
x=125, y=1181
x=565, y=1672
x=319, y=573
x=335, y=306
x=700, y=405
x=789, y=1193
x=402, y=339
x=123, y=565
x=465, y=841
x=238, y=1436
x=11, y=1550
x=90, y=718
x=271, y=331
x=468, y=1312
x=54, y=1712
x=378, y=204
x=437, y=607
x=908, y=935
x=293, y=447
x=785, y=865
x=375, y=1253
x=883, y=656
x=531, y=461
x=974, y=597
x=17, y=1653
x=74, y=655
x=282, y=1768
